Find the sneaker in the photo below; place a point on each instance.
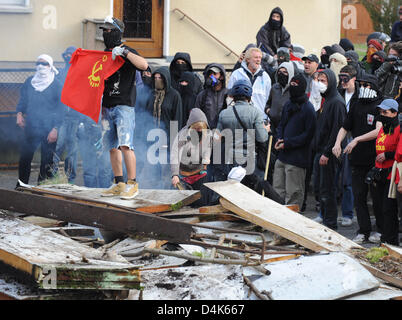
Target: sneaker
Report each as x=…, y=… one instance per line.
x=131, y=190
x=375, y=237
x=346, y=222
x=360, y=238
x=114, y=190
x=318, y=219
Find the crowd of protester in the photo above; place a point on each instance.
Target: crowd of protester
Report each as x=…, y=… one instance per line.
x=327, y=124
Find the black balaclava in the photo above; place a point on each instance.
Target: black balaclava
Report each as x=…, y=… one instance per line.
x=274, y=24
x=325, y=57
x=112, y=39
x=297, y=93
x=283, y=79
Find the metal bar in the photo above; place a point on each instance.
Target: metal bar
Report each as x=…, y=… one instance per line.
x=110, y=219
x=206, y=31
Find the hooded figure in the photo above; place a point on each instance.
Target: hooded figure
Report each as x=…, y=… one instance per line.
x=378, y=59
x=326, y=52
x=187, y=92
x=190, y=155
x=279, y=93
x=337, y=62
x=212, y=98
x=176, y=70
x=352, y=57
x=329, y=121
x=40, y=114
x=346, y=44
x=273, y=34
x=165, y=105
x=66, y=57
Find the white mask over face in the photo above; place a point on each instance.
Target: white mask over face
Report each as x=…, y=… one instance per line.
x=44, y=75
x=322, y=87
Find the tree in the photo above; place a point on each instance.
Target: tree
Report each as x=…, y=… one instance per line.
x=383, y=13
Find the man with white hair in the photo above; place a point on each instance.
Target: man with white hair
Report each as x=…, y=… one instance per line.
x=39, y=115
x=259, y=79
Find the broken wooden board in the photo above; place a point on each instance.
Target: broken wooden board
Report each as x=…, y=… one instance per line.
x=393, y=251
x=276, y=218
x=320, y=277
x=211, y=282
x=147, y=200
x=33, y=252
x=382, y=275
x=43, y=222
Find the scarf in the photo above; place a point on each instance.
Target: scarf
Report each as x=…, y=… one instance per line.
x=159, y=97
x=44, y=75
x=315, y=95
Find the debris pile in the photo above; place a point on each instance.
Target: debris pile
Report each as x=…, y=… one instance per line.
x=67, y=242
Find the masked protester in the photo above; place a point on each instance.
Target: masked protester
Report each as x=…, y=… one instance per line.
x=330, y=120
x=352, y=58
x=295, y=131
x=326, y=52
x=40, y=114
x=118, y=114
x=337, y=62
x=188, y=93
x=191, y=154
x=180, y=64
x=378, y=59
x=373, y=46
x=279, y=94
x=273, y=34
x=363, y=123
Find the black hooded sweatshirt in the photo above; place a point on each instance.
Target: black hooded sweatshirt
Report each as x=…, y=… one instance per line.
x=171, y=106
x=270, y=40
x=211, y=101
x=330, y=118
x=360, y=120
x=175, y=73
x=188, y=93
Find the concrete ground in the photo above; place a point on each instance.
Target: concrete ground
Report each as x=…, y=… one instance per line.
x=8, y=180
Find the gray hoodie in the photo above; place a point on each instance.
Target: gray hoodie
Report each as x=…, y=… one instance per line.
x=186, y=156
x=279, y=95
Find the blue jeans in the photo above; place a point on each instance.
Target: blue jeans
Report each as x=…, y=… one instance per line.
x=67, y=142
x=118, y=124
x=97, y=171
x=344, y=173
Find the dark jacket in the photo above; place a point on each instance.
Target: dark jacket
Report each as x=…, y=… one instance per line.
x=175, y=74
x=211, y=101
x=388, y=81
x=171, y=106
x=297, y=128
x=43, y=110
x=279, y=95
x=269, y=40
x=360, y=120
x=330, y=119
x=396, y=33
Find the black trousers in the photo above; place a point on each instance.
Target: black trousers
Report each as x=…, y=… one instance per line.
x=360, y=193
x=328, y=201
x=30, y=143
x=389, y=214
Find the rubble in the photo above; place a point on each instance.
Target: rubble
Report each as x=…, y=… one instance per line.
x=225, y=252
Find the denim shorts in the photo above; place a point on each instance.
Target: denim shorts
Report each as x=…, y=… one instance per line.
x=118, y=124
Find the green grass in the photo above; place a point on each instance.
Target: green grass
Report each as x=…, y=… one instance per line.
x=361, y=49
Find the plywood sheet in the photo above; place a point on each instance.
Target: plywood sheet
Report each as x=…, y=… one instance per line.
x=277, y=218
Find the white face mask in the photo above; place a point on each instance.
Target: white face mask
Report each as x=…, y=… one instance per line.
x=322, y=87
x=43, y=70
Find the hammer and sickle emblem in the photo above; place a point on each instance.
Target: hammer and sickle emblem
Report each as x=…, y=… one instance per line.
x=93, y=79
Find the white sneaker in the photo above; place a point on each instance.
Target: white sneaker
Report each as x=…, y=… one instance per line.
x=360, y=238
x=375, y=237
x=318, y=219
x=346, y=222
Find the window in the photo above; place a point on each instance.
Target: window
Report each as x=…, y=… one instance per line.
x=16, y=6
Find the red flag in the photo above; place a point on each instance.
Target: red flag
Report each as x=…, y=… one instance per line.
x=85, y=81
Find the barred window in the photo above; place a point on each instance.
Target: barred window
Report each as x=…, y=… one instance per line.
x=16, y=6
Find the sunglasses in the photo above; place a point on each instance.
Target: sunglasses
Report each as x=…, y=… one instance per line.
x=344, y=78
x=41, y=63
x=365, y=84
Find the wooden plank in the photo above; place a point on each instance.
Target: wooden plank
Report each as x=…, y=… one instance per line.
x=147, y=200
x=43, y=222
x=278, y=219
x=382, y=275
x=395, y=252
x=32, y=251
x=213, y=209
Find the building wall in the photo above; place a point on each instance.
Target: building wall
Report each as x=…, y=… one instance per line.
x=311, y=23
x=52, y=26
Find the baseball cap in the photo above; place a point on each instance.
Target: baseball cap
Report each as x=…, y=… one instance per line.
x=112, y=23
x=389, y=104
x=215, y=69
x=311, y=57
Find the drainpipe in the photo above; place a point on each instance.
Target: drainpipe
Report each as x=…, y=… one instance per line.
x=166, y=28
